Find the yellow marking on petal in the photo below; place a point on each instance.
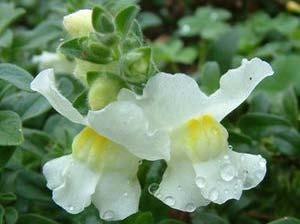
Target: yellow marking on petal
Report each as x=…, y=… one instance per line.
x=90, y=147
x=202, y=137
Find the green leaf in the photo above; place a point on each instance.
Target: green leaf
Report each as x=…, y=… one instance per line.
x=171, y=221
x=210, y=76
x=208, y=218
x=207, y=22
x=284, y=137
x=101, y=21
x=40, y=36
x=125, y=18
x=32, y=186
x=61, y=129
x=290, y=106
x=27, y=105
x=6, y=39
x=223, y=49
x=85, y=49
x=11, y=215
x=8, y=13
x=15, y=76
x=286, y=74
x=140, y=218
x=36, y=219
x=286, y=220
x=6, y=153
x=6, y=198
x=2, y=211
x=10, y=129
x=149, y=19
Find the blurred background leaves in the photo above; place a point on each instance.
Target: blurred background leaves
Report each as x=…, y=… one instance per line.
x=202, y=38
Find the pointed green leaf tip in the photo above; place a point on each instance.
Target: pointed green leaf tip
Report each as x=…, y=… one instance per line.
x=15, y=76
x=125, y=18
x=101, y=21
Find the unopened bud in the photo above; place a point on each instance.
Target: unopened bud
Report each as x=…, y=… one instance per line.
x=103, y=91
x=137, y=65
x=79, y=23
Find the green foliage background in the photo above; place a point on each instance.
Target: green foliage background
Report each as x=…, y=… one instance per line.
x=201, y=38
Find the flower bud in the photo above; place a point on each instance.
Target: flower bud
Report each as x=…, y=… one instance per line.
x=57, y=61
x=293, y=6
x=79, y=23
x=137, y=65
x=104, y=90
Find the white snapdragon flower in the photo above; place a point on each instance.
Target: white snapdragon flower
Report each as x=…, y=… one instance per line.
x=203, y=168
x=98, y=170
x=57, y=61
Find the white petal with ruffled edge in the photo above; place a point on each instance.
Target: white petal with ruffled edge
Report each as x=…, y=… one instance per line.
x=54, y=169
x=79, y=183
x=178, y=188
x=228, y=175
x=44, y=83
x=118, y=191
x=236, y=85
x=126, y=124
x=168, y=100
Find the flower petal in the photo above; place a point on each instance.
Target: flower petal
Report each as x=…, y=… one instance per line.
x=168, y=100
x=226, y=176
x=118, y=191
x=178, y=188
x=236, y=85
x=53, y=171
x=126, y=124
x=44, y=83
x=79, y=183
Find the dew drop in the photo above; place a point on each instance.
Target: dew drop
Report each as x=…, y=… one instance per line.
x=230, y=147
x=71, y=208
x=227, y=172
x=169, y=200
x=200, y=181
x=190, y=207
x=213, y=195
x=226, y=157
x=107, y=215
x=153, y=188
x=140, y=162
x=226, y=192
x=125, y=194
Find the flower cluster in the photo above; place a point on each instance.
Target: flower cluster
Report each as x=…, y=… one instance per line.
x=171, y=120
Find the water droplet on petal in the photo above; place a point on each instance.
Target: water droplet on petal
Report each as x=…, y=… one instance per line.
x=226, y=157
x=230, y=147
x=71, y=208
x=153, y=188
x=200, y=181
x=140, y=162
x=213, y=195
x=169, y=200
x=179, y=187
x=107, y=215
x=190, y=207
x=227, y=172
x=125, y=194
